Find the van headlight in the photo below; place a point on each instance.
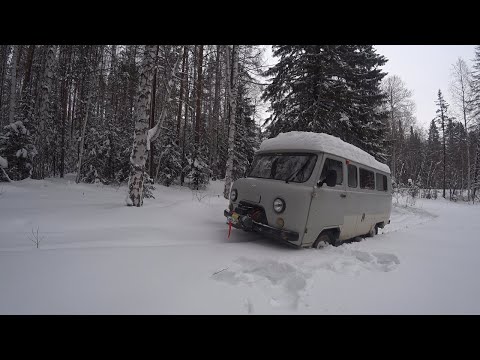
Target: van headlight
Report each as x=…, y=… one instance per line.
x=278, y=205
x=233, y=194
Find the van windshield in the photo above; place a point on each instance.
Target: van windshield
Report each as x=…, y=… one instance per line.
x=295, y=167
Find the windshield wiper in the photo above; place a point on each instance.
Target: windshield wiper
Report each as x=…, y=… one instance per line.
x=291, y=177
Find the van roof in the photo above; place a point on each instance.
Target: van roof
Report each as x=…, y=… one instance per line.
x=300, y=140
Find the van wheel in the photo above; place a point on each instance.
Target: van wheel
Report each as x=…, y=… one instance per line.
x=324, y=239
x=373, y=232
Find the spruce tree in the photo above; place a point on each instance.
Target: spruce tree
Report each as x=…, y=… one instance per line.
x=442, y=118
x=329, y=88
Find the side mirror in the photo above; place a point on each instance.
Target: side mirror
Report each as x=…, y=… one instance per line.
x=331, y=178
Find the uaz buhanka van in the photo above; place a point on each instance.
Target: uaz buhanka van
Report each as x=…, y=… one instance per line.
x=311, y=189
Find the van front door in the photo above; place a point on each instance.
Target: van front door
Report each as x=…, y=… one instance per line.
x=328, y=204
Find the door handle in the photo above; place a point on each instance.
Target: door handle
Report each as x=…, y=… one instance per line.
x=343, y=195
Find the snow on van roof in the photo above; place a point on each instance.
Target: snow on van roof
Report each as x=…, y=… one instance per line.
x=300, y=140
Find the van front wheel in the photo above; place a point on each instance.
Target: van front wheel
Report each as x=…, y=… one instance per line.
x=324, y=239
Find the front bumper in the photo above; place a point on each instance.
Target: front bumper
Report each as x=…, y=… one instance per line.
x=246, y=223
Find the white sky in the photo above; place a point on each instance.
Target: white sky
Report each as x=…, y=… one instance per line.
x=424, y=68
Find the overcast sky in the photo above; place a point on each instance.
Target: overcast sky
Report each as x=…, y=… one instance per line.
x=423, y=68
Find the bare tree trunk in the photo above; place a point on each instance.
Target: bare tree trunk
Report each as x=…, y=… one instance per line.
x=152, y=114
x=28, y=68
x=198, y=110
x=393, y=144
x=13, y=84
x=182, y=85
x=444, y=153
x=232, y=112
x=154, y=132
x=44, y=108
x=475, y=169
x=216, y=108
x=469, y=182
x=198, y=107
x=2, y=77
x=82, y=141
x=72, y=112
x=139, y=154
x=65, y=98
x=187, y=93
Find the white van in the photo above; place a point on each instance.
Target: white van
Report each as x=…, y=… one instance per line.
x=311, y=189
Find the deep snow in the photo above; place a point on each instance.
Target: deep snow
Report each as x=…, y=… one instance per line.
x=172, y=256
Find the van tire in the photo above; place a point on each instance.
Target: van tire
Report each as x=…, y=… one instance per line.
x=325, y=238
x=372, y=232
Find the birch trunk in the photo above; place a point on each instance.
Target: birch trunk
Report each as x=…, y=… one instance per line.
x=13, y=83
x=231, y=133
x=139, y=154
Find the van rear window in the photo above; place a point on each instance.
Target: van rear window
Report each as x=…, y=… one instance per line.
x=367, y=179
x=381, y=182
x=283, y=166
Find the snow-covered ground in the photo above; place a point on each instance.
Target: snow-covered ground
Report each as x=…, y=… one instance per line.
x=172, y=256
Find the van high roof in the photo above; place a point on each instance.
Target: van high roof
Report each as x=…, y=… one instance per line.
x=299, y=140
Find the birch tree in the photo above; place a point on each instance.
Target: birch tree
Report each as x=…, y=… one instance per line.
x=461, y=94
x=400, y=108
x=139, y=154
x=232, y=100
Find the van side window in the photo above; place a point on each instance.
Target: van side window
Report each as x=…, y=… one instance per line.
x=352, y=176
x=381, y=182
x=367, y=179
x=331, y=164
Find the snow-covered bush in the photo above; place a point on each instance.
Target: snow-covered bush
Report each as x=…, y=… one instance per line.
x=148, y=187
x=199, y=171
x=17, y=150
x=405, y=195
